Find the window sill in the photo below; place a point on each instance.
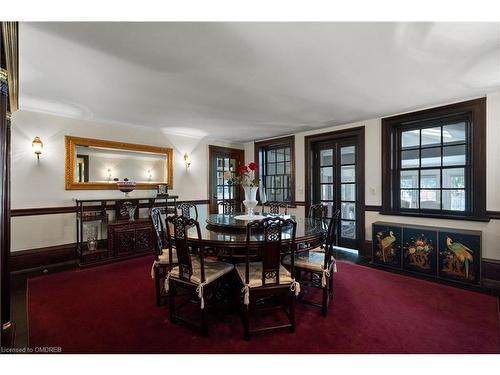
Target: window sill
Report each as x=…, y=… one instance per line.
x=435, y=216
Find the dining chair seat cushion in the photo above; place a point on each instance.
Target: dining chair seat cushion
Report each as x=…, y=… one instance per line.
x=164, y=257
x=312, y=260
x=255, y=274
x=214, y=269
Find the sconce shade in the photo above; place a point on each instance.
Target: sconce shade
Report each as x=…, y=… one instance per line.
x=186, y=160
x=37, y=146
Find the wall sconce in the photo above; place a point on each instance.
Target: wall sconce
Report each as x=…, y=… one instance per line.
x=37, y=147
x=150, y=176
x=109, y=174
x=187, y=160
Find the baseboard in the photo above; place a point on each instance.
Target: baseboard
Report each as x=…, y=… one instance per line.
x=33, y=259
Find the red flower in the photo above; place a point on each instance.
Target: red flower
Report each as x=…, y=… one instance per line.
x=252, y=166
x=242, y=169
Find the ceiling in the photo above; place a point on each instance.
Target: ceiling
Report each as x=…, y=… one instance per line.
x=244, y=81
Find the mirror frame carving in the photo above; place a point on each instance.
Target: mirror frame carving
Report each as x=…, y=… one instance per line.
x=70, y=143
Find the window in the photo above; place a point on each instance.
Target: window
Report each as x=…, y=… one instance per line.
x=275, y=159
x=431, y=166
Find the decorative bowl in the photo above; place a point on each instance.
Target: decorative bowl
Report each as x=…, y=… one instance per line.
x=126, y=186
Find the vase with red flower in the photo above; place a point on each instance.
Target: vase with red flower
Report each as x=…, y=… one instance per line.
x=250, y=183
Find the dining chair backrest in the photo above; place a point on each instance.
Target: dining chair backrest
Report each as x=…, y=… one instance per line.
x=332, y=233
x=186, y=208
x=271, y=246
x=275, y=207
x=229, y=206
x=318, y=211
x=177, y=235
x=158, y=231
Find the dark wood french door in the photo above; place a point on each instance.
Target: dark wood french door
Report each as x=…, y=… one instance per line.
x=336, y=180
x=223, y=162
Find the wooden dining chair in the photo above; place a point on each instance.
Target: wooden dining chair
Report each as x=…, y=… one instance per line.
x=163, y=254
x=319, y=265
x=229, y=206
x=266, y=279
x=275, y=208
x=318, y=211
x=187, y=208
x=193, y=272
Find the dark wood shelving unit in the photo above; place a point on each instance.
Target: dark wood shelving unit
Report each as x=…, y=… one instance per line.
x=118, y=238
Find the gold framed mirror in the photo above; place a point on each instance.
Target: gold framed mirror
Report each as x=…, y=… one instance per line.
x=95, y=164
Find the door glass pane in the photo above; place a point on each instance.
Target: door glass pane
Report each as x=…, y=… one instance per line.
x=326, y=174
x=454, y=200
x=329, y=208
x=348, y=173
x=326, y=157
x=348, y=229
x=280, y=168
x=348, y=211
x=409, y=179
x=271, y=156
x=454, y=178
x=431, y=136
x=327, y=192
x=454, y=133
x=409, y=159
x=430, y=199
x=280, y=154
x=287, y=168
x=271, y=168
x=430, y=178
x=410, y=138
x=409, y=199
x=287, y=153
x=454, y=155
x=431, y=157
x=348, y=192
x=347, y=155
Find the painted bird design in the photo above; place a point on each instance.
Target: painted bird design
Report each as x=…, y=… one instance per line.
x=385, y=243
x=462, y=253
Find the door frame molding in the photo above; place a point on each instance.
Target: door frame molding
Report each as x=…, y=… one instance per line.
x=359, y=134
x=212, y=149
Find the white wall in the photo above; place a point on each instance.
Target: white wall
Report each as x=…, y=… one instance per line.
x=41, y=184
x=373, y=177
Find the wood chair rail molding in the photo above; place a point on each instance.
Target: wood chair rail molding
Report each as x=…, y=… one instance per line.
x=70, y=143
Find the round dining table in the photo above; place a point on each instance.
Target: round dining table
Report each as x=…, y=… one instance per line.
x=226, y=234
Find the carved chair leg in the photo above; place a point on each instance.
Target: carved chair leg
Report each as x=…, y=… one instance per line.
x=171, y=300
x=204, y=323
x=292, y=312
x=246, y=322
x=330, y=284
x=157, y=286
x=324, y=304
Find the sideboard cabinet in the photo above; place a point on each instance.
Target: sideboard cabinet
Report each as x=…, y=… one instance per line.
x=105, y=232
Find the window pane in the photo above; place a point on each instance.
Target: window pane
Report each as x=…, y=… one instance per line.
x=280, y=154
x=409, y=199
x=430, y=178
x=280, y=168
x=329, y=208
x=287, y=168
x=409, y=159
x=454, y=155
x=326, y=174
x=454, y=200
x=348, y=192
x=431, y=136
x=287, y=153
x=326, y=157
x=410, y=138
x=431, y=157
x=347, y=155
x=430, y=199
x=327, y=192
x=348, y=210
x=348, y=174
x=271, y=156
x=454, y=178
x=409, y=179
x=348, y=229
x=271, y=168
x=454, y=133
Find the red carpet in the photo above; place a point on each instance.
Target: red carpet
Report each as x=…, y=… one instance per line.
x=110, y=309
